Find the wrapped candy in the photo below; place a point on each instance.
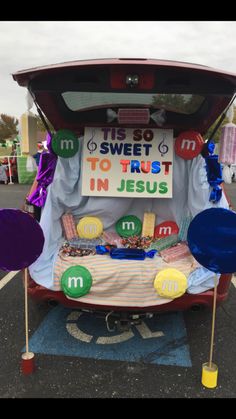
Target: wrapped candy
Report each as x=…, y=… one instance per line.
x=68, y=225
x=184, y=225
x=148, y=224
x=136, y=116
x=164, y=242
x=112, y=238
x=174, y=253
x=136, y=254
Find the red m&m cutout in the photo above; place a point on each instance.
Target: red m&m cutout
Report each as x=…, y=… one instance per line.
x=189, y=144
x=167, y=228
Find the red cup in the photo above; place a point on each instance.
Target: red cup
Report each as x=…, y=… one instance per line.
x=28, y=363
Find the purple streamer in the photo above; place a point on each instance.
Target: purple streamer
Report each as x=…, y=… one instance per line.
x=46, y=169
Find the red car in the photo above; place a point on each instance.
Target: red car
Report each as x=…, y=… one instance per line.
x=147, y=119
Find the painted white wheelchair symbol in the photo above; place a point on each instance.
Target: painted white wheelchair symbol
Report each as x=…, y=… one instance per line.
x=77, y=333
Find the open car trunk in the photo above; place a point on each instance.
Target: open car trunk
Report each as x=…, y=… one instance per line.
x=132, y=111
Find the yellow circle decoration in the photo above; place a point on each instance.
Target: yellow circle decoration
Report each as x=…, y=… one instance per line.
x=89, y=228
x=170, y=283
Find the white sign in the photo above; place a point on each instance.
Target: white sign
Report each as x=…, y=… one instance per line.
x=127, y=162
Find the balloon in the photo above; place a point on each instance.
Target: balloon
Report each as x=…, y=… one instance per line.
x=22, y=239
x=212, y=239
x=76, y=281
x=170, y=283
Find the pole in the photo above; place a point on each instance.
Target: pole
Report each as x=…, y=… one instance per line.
x=10, y=174
x=209, y=369
x=27, y=359
x=213, y=321
x=26, y=312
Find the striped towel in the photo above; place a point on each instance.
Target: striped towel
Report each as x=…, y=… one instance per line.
x=126, y=283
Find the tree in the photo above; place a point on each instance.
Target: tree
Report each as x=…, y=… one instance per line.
x=217, y=134
x=8, y=127
x=178, y=102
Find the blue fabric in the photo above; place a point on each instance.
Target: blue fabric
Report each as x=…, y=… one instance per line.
x=214, y=176
x=211, y=146
x=212, y=239
x=201, y=280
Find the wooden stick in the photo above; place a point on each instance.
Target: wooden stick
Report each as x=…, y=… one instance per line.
x=26, y=312
x=213, y=320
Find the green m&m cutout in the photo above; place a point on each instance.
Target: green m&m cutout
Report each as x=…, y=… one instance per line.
x=129, y=225
x=76, y=281
x=65, y=143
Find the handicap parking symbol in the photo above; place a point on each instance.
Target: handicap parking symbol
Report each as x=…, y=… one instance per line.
x=159, y=340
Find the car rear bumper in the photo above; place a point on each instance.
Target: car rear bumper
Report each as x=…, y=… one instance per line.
x=185, y=302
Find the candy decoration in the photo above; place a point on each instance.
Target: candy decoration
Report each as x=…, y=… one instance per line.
x=69, y=250
x=184, y=225
x=170, y=283
x=133, y=116
x=164, y=243
x=136, y=254
x=23, y=243
x=148, y=224
x=166, y=228
x=69, y=227
x=136, y=242
x=112, y=238
x=179, y=251
x=89, y=227
x=212, y=241
x=129, y=225
x=76, y=281
x=189, y=144
x=65, y=143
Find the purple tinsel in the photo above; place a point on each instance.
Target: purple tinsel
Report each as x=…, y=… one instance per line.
x=46, y=169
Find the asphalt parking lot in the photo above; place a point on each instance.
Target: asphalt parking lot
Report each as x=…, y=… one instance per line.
x=76, y=357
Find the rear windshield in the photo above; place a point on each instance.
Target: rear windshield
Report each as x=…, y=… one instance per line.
x=180, y=103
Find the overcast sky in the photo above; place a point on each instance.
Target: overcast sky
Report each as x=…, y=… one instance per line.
x=29, y=44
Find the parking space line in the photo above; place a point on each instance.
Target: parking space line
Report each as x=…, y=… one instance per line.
x=233, y=280
x=7, y=278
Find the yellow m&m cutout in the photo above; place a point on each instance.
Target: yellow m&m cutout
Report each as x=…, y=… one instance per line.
x=89, y=228
x=170, y=283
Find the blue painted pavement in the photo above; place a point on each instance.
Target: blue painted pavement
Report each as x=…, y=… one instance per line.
x=160, y=340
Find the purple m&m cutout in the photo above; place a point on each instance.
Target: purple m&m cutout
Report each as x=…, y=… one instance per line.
x=21, y=241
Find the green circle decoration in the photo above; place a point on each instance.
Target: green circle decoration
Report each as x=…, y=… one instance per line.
x=65, y=143
x=129, y=225
x=76, y=281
